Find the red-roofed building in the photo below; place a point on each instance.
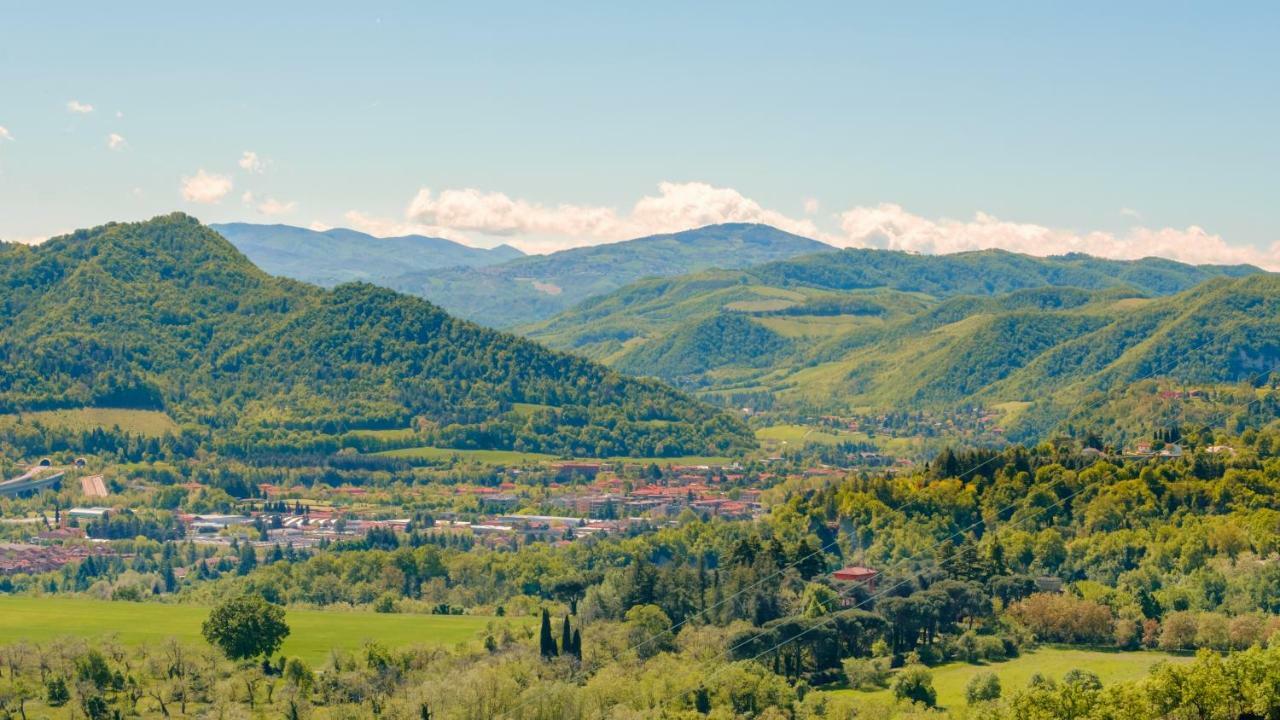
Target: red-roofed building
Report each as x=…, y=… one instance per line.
x=858, y=575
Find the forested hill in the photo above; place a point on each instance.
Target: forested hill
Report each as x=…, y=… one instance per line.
x=986, y=272
x=884, y=331
x=168, y=314
x=330, y=257
x=538, y=286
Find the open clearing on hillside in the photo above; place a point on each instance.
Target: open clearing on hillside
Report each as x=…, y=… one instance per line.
x=150, y=423
x=512, y=457
x=312, y=632
x=949, y=680
x=485, y=457
x=803, y=434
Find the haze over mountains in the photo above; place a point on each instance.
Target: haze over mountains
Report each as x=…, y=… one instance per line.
x=167, y=314
x=339, y=255
x=491, y=288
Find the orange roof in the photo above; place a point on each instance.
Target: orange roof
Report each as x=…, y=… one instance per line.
x=855, y=573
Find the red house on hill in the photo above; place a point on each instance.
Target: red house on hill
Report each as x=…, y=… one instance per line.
x=858, y=574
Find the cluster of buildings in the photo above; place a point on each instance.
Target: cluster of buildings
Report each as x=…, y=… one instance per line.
x=33, y=558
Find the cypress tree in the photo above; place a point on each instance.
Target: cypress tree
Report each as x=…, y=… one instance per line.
x=702, y=700
x=547, y=643
x=577, y=644
x=566, y=637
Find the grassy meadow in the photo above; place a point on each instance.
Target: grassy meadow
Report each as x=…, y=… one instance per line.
x=149, y=423
x=949, y=680
x=313, y=632
x=513, y=457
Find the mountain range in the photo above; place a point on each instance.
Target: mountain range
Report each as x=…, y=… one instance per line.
x=167, y=314
x=501, y=287
x=331, y=257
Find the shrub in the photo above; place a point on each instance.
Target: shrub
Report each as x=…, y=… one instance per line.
x=1246, y=631
x=1064, y=618
x=1151, y=633
x=1128, y=634
x=1179, y=631
x=982, y=687
x=865, y=674
x=993, y=648
x=926, y=655
x=56, y=692
x=915, y=684
x=1212, y=631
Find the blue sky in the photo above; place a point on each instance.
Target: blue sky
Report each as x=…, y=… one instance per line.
x=1147, y=128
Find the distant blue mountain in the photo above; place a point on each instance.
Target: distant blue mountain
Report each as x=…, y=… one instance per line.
x=340, y=255
x=537, y=287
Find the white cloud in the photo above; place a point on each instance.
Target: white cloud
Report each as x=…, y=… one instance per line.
x=540, y=227
x=250, y=162
x=29, y=239
x=1130, y=212
x=320, y=226
x=115, y=141
x=78, y=107
x=5, y=134
x=271, y=206
x=889, y=225
x=205, y=187
x=677, y=206
x=382, y=227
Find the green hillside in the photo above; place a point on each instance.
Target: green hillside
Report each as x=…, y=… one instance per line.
x=534, y=288
x=815, y=336
x=167, y=315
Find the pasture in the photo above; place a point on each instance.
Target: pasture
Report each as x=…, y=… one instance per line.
x=950, y=679
x=148, y=423
x=313, y=633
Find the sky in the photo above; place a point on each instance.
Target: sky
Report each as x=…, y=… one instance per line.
x=1119, y=129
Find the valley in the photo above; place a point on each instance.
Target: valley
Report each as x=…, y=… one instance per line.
x=828, y=483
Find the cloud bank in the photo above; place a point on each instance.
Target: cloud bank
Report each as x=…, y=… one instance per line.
x=890, y=226
x=677, y=206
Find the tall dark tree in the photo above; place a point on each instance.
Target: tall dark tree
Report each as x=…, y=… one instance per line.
x=546, y=641
x=566, y=637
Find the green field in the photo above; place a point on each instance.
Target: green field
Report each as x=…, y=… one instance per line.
x=805, y=435
x=484, y=457
x=151, y=423
x=949, y=680
x=313, y=632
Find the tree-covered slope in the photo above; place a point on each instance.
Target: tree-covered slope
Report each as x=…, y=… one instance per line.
x=536, y=287
x=833, y=340
x=987, y=272
x=167, y=314
x=339, y=255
